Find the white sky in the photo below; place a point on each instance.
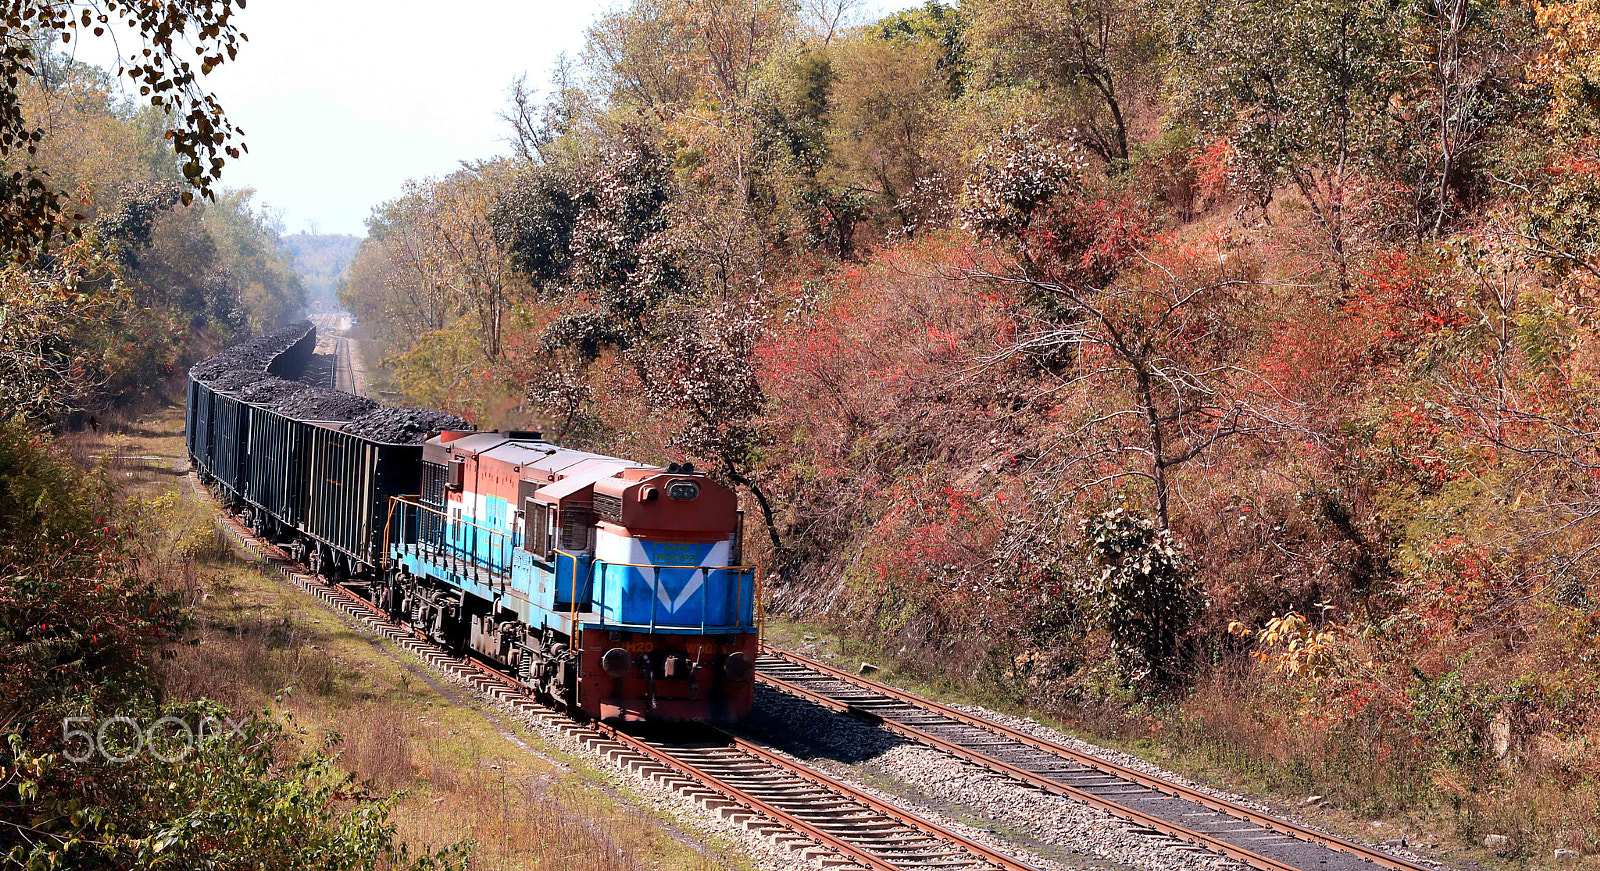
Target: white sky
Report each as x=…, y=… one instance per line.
x=343, y=100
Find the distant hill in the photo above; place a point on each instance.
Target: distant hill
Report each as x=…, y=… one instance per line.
x=320, y=260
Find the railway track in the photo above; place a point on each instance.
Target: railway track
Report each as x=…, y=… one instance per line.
x=818, y=817
x=1259, y=840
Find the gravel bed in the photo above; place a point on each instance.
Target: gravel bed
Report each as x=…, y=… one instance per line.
x=987, y=807
x=1039, y=730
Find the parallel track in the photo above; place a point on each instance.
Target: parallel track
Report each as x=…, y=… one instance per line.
x=728, y=774
x=1261, y=841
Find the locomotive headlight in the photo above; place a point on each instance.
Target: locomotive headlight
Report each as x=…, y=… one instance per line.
x=683, y=491
x=616, y=662
x=738, y=667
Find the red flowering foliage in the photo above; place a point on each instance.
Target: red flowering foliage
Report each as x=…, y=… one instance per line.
x=1399, y=303
x=850, y=364
x=1087, y=241
x=1212, y=168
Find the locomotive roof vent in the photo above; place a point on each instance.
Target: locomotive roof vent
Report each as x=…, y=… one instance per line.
x=528, y=434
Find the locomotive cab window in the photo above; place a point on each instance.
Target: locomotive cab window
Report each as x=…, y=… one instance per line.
x=458, y=473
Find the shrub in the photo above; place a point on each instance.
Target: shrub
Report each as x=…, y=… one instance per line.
x=1145, y=595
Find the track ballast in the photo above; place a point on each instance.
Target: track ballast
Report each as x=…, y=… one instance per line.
x=1259, y=840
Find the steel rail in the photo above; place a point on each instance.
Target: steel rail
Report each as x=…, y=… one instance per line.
x=732, y=792
x=1254, y=860
x=802, y=826
x=758, y=804
x=1176, y=790
x=912, y=820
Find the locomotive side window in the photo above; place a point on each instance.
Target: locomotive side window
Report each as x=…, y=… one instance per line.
x=536, y=536
x=458, y=473
x=575, y=523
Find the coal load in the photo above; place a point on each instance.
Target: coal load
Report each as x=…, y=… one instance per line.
x=301, y=401
x=250, y=361
x=403, y=425
x=318, y=371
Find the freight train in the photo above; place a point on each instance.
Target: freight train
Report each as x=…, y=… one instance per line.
x=616, y=589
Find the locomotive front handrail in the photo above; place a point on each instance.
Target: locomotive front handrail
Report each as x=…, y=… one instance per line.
x=596, y=566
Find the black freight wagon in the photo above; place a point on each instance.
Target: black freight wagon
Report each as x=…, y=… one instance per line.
x=200, y=437
x=230, y=442
x=347, y=482
x=277, y=480
x=195, y=416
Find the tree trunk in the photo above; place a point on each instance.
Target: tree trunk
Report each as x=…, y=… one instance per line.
x=1158, y=456
x=767, y=514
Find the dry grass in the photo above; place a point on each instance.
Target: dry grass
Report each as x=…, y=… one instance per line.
x=460, y=773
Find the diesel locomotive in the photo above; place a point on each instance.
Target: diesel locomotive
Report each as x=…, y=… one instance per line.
x=617, y=589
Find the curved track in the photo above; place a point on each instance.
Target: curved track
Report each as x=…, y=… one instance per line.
x=837, y=824
x=1257, y=839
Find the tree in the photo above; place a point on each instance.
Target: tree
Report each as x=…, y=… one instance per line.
x=943, y=25
x=433, y=250
x=600, y=233
x=1099, y=56
x=663, y=54
x=387, y=291
x=31, y=208
x=884, y=106
x=1298, y=87
x=829, y=17
x=536, y=128
x=43, y=367
x=703, y=365
x=1147, y=340
x=1144, y=593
